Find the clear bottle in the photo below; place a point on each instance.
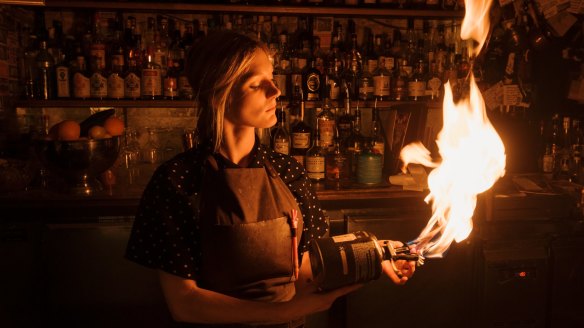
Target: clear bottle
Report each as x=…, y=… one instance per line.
x=80, y=75
x=280, y=141
x=97, y=48
x=131, y=77
x=366, y=84
x=337, y=167
x=345, y=123
x=417, y=83
x=399, y=84
x=170, y=83
x=98, y=80
x=63, y=73
x=315, y=159
x=381, y=81
x=301, y=135
x=378, y=134
x=151, y=79
x=45, y=64
x=434, y=83
x=355, y=142
x=326, y=125
x=115, y=79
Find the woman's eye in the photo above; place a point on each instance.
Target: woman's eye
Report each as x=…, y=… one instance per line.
x=254, y=86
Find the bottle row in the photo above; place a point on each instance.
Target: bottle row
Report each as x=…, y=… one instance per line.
x=333, y=148
x=400, y=4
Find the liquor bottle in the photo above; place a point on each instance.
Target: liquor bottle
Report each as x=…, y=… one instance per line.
x=151, y=79
x=381, y=81
x=564, y=158
x=434, y=83
x=62, y=72
x=315, y=159
x=551, y=146
x=97, y=79
x=97, y=47
x=162, y=44
x=300, y=135
x=312, y=82
x=337, y=166
x=282, y=73
x=45, y=64
x=378, y=135
x=355, y=142
x=131, y=76
x=80, y=75
x=332, y=83
x=30, y=67
x=170, y=82
x=115, y=79
x=326, y=125
x=280, y=137
x=399, y=83
x=366, y=86
x=353, y=68
x=345, y=123
x=417, y=83
x=318, y=54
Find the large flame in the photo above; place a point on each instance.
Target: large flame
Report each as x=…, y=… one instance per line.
x=472, y=154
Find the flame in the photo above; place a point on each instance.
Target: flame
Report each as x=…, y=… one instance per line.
x=472, y=154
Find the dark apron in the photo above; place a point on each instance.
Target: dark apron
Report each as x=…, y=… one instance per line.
x=247, y=234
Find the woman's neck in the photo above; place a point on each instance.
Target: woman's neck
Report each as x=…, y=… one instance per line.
x=237, y=144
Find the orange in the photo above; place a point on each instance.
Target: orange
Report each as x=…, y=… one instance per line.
x=97, y=132
x=114, y=126
x=68, y=130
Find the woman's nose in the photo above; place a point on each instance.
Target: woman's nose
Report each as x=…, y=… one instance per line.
x=273, y=91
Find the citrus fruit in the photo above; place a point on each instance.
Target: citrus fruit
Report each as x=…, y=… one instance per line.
x=114, y=126
x=68, y=130
x=97, y=132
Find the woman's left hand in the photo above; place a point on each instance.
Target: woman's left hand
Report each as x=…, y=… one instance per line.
x=405, y=269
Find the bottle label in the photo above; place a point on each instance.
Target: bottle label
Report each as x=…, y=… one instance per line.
x=335, y=91
x=300, y=140
x=115, y=86
x=151, y=83
x=62, y=73
x=548, y=163
x=98, y=86
x=81, y=86
x=381, y=85
x=315, y=167
x=313, y=86
x=327, y=132
x=417, y=88
x=132, y=86
x=282, y=146
x=372, y=65
x=280, y=82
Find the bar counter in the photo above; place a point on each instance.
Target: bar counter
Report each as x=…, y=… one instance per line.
x=123, y=200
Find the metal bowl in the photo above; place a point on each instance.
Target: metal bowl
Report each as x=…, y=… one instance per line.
x=79, y=162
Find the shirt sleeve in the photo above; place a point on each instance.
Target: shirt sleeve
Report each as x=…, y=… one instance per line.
x=165, y=234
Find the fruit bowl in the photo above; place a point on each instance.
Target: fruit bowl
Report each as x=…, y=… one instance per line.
x=79, y=162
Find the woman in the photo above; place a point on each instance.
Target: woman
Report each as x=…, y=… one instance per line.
x=217, y=220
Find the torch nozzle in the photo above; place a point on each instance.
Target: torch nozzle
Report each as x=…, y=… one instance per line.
x=405, y=252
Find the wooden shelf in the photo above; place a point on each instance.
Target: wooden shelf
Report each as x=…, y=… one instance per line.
x=272, y=10
x=78, y=103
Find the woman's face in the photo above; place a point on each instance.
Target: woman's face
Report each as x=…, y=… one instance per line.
x=254, y=97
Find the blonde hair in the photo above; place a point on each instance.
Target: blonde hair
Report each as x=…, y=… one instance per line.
x=216, y=63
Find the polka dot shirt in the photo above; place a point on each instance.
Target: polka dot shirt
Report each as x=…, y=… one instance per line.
x=165, y=233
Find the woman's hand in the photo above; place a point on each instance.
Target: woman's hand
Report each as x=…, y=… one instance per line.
x=398, y=271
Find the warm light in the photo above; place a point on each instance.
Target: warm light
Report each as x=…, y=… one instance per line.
x=472, y=154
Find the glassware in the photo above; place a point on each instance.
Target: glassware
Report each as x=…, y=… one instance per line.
x=151, y=153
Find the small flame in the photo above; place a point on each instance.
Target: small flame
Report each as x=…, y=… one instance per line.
x=472, y=154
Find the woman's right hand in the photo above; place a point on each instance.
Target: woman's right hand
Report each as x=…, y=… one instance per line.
x=311, y=300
